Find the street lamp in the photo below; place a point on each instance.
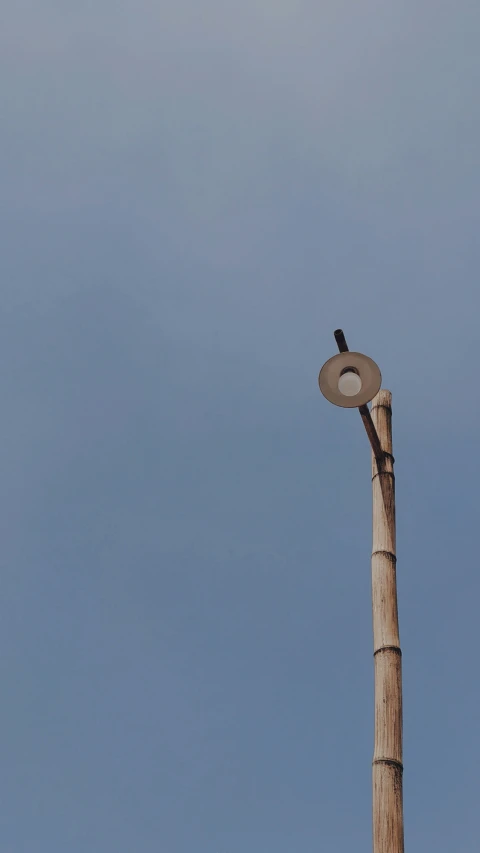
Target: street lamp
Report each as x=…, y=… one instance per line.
x=352, y=380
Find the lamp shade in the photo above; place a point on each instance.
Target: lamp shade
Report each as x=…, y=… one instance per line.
x=350, y=379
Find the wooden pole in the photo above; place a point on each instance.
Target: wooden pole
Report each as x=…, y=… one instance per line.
x=387, y=758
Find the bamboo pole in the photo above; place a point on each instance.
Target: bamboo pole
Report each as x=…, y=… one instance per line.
x=387, y=758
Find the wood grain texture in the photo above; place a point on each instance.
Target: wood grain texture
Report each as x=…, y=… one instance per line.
x=387, y=758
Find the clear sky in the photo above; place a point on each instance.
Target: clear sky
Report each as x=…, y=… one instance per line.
x=193, y=196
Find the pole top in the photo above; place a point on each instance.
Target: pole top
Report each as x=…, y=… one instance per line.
x=382, y=400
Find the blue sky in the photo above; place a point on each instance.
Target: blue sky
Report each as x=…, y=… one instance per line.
x=194, y=195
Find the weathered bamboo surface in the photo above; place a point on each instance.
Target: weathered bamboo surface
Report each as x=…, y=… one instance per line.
x=387, y=758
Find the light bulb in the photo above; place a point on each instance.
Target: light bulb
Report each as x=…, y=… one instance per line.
x=349, y=383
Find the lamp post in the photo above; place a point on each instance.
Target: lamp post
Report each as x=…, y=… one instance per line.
x=352, y=380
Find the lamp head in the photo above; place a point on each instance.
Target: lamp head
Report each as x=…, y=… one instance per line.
x=350, y=379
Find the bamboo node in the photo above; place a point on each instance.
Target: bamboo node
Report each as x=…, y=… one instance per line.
x=383, y=400
x=383, y=473
x=395, y=649
x=388, y=554
x=391, y=762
